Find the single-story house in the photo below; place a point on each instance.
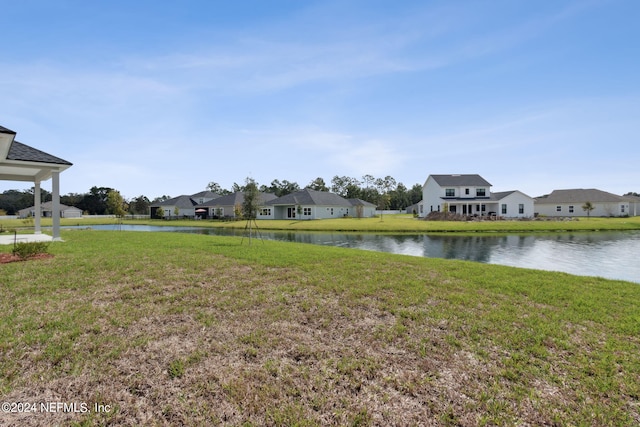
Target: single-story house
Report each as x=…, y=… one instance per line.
x=362, y=208
x=226, y=206
x=181, y=206
x=471, y=195
x=569, y=203
x=312, y=204
x=46, y=211
x=634, y=205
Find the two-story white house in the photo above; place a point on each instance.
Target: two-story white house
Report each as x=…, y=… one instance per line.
x=472, y=195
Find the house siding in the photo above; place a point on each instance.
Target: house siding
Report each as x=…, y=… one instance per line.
x=473, y=197
x=601, y=209
x=513, y=202
x=568, y=203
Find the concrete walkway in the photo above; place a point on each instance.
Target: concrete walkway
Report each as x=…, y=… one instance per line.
x=10, y=238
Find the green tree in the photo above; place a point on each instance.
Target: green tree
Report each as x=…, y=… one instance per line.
x=116, y=204
x=214, y=187
x=345, y=186
x=318, y=184
x=385, y=186
x=400, y=197
x=250, y=204
x=140, y=205
x=251, y=201
x=588, y=207
x=95, y=202
x=283, y=188
x=415, y=194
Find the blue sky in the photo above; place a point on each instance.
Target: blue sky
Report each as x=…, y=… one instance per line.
x=155, y=98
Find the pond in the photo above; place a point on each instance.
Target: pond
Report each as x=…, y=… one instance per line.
x=606, y=254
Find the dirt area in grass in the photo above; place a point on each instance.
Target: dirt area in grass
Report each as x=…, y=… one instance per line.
x=6, y=258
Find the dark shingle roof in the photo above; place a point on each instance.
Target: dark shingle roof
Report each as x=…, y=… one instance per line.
x=237, y=198
x=5, y=130
x=205, y=194
x=360, y=202
x=579, y=195
x=501, y=195
x=310, y=197
x=22, y=152
x=183, y=202
x=460, y=180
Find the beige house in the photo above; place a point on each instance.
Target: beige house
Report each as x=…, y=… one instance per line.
x=46, y=211
x=569, y=203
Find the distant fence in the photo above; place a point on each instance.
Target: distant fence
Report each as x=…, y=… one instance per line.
x=9, y=217
x=388, y=212
x=113, y=216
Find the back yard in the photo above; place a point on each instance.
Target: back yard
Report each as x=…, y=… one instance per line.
x=134, y=328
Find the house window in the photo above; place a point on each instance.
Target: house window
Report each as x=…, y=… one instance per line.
x=266, y=212
x=504, y=209
x=521, y=208
x=450, y=192
x=570, y=209
x=558, y=208
x=481, y=192
x=306, y=211
x=622, y=208
x=477, y=208
x=483, y=208
x=466, y=191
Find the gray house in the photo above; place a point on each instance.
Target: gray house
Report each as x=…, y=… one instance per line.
x=226, y=206
x=634, y=205
x=312, y=204
x=362, y=208
x=46, y=211
x=181, y=206
x=568, y=203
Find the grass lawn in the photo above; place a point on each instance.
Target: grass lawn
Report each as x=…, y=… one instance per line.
x=181, y=329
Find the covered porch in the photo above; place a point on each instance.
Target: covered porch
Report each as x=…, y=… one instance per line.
x=20, y=162
x=472, y=207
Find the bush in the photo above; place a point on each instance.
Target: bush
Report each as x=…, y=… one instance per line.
x=28, y=249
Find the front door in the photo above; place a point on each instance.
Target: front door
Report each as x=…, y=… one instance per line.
x=291, y=212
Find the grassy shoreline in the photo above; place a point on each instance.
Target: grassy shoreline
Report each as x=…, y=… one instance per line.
x=401, y=223
x=171, y=328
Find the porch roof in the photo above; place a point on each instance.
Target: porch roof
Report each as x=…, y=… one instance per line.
x=20, y=162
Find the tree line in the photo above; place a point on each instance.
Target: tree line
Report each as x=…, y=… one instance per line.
x=98, y=201
x=385, y=193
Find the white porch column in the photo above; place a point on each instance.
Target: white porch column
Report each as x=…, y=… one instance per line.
x=36, y=206
x=55, y=202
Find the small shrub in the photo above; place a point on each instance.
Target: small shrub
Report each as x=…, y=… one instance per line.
x=25, y=250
